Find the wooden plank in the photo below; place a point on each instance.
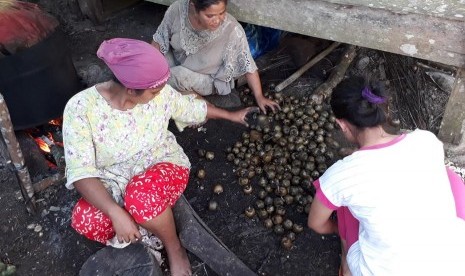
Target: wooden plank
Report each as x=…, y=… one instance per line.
x=198, y=238
x=429, y=35
x=439, y=8
x=454, y=116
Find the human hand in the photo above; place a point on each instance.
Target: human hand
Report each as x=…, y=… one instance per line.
x=263, y=103
x=124, y=225
x=240, y=115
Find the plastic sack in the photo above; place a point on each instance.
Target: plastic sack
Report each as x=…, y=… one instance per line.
x=261, y=39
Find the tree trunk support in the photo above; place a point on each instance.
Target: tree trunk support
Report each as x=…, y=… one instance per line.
x=337, y=75
x=451, y=126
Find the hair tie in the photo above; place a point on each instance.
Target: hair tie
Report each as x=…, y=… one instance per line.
x=372, y=98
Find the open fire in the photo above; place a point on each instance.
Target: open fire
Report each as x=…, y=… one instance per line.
x=42, y=144
x=49, y=139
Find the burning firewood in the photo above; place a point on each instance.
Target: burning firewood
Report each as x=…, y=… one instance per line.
x=22, y=25
x=57, y=152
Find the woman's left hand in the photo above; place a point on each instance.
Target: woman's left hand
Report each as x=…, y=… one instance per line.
x=239, y=116
x=263, y=103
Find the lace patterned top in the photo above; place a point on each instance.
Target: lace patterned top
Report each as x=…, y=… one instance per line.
x=224, y=54
x=115, y=145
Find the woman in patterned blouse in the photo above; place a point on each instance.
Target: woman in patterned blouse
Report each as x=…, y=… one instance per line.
x=207, y=50
x=120, y=155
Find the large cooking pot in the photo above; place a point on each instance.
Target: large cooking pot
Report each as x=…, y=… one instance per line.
x=37, y=82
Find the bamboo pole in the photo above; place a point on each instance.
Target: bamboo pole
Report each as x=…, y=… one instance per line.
x=16, y=156
x=307, y=66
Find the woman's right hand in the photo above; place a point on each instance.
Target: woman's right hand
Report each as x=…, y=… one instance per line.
x=239, y=116
x=94, y=192
x=124, y=225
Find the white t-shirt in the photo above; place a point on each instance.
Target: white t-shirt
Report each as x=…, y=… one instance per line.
x=400, y=193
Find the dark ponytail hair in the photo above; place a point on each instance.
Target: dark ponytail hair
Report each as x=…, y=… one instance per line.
x=201, y=5
x=367, y=110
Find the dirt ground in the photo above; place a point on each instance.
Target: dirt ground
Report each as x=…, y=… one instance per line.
x=45, y=244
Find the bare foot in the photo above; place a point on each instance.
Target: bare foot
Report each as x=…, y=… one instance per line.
x=179, y=263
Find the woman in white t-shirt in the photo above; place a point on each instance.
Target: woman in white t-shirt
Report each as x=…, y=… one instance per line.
x=397, y=214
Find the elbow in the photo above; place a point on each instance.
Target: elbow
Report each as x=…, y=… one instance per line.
x=314, y=227
x=318, y=231
x=311, y=224
x=317, y=227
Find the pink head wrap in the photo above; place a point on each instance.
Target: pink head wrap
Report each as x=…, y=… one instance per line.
x=136, y=64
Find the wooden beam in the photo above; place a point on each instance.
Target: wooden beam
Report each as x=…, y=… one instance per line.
x=434, y=34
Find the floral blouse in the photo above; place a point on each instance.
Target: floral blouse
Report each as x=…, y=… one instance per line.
x=115, y=145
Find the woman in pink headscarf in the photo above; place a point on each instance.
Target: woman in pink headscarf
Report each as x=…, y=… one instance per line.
x=120, y=155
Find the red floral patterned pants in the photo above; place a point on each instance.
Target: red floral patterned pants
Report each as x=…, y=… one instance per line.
x=147, y=195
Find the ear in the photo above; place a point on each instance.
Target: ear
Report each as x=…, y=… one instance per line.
x=343, y=124
x=130, y=91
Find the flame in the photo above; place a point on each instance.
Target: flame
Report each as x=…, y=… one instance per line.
x=56, y=122
x=43, y=138
x=41, y=143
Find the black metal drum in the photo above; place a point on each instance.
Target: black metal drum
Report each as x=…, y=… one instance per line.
x=37, y=82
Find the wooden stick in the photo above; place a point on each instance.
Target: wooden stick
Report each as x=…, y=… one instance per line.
x=307, y=66
x=16, y=156
x=49, y=181
x=337, y=75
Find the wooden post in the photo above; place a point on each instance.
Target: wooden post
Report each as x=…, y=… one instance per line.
x=450, y=130
x=16, y=156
